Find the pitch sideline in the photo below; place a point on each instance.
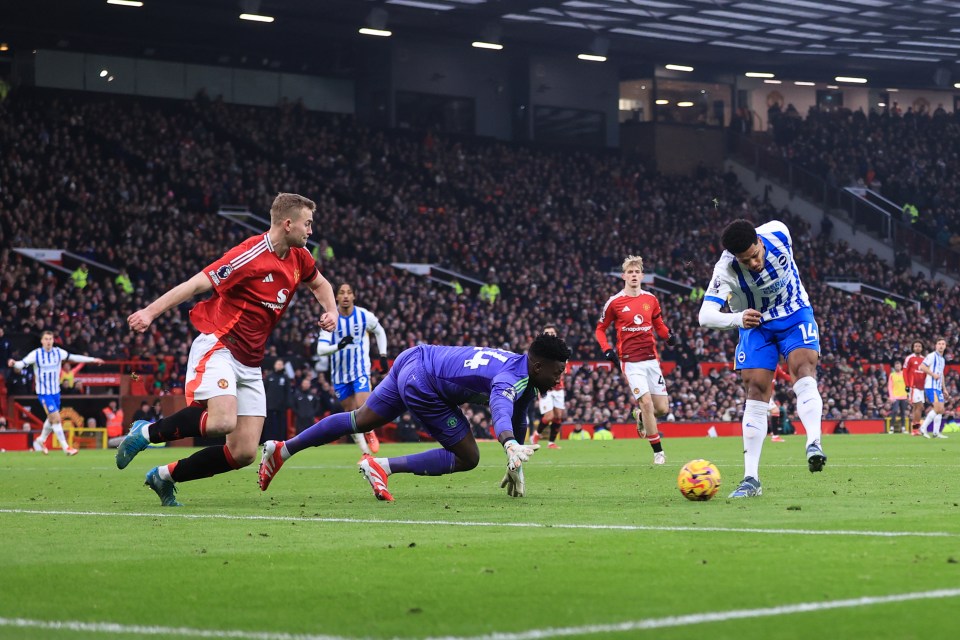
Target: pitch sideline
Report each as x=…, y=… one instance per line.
x=532, y=634
x=521, y=525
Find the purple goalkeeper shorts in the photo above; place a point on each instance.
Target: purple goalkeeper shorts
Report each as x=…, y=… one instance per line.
x=409, y=387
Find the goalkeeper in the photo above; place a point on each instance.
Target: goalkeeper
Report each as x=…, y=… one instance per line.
x=431, y=382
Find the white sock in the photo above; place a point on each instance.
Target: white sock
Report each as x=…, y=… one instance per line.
x=927, y=420
x=754, y=433
x=146, y=432
x=44, y=434
x=58, y=429
x=384, y=464
x=164, y=473
x=361, y=442
x=809, y=407
x=285, y=453
x=937, y=422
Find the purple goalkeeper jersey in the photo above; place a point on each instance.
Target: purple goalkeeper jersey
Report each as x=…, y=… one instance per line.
x=433, y=381
x=482, y=376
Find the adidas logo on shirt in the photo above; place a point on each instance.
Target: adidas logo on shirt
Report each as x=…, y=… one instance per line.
x=269, y=278
x=625, y=309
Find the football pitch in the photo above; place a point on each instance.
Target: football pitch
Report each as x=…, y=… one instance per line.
x=603, y=544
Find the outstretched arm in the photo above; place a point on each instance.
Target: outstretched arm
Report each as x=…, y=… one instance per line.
x=323, y=292
x=140, y=320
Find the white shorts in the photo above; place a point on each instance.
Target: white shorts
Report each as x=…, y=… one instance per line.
x=644, y=377
x=551, y=400
x=916, y=395
x=213, y=371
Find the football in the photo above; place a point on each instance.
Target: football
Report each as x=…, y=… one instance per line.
x=699, y=480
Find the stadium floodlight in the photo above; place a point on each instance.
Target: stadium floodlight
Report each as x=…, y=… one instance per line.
x=479, y=44
x=103, y=73
x=126, y=3
x=256, y=17
x=801, y=83
x=382, y=33
x=851, y=79
x=768, y=81
x=589, y=57
x=678, y=67
x=662, y=102
x=686, y=103
x=758, y=74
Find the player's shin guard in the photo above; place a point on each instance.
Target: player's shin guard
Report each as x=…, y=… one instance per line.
x=204, y=464
x=754, y=433
x=809, y=407
x=189, y=422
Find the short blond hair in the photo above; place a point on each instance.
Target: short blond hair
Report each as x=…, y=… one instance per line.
x=286, y=205
x=632, y=261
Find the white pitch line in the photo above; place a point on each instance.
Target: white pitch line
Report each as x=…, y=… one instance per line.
x=520, y=525
x=531, y=634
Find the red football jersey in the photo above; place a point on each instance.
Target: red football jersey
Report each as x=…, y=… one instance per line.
x=252, y=287
x=912, y=376
x=635, y=319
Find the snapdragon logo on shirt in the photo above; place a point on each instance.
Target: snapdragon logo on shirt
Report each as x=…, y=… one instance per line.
x=281, y=300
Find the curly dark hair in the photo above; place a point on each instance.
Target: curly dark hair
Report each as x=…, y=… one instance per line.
x=550, y=347
x=738, y=236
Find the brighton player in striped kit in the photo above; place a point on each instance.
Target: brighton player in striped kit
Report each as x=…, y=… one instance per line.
x=933, y=366
x=759, y=280
x=46, y=362
x=253, y=284
x=349, y=349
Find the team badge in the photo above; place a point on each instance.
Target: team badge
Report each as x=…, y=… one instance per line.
x=452, y=422
x=636, y=391
x=296, y=275
x=223, y=384
x=782, y=259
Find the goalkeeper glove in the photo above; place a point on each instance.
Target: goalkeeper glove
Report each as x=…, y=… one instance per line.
x=384, y=365
x=611, y=355
x=344, y=341
x=513, y=481
x=517, y=453
x=673, y=340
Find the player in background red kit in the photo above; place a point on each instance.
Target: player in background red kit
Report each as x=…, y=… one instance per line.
x=252, y=286
x=635, y=314
x=552, y=404
x=914, y=379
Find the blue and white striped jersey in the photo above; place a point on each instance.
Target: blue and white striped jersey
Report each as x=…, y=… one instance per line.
x=937, y=364
x=46, y=369
x=353, y=361
x=776, y=291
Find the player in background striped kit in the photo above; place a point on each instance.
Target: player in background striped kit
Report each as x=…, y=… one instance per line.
x=46, y=362
x=349, y=349
x=759, y=280
x=934, y=366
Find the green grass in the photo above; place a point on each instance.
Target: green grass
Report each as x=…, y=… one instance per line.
x=329, y=559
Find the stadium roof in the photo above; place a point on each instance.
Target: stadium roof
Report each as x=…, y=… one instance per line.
x=906, y=42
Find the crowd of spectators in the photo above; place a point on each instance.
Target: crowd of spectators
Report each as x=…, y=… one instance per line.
x=136, y=185
x=909, y=157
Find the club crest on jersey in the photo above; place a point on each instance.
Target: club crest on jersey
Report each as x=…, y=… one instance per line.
x=222, y=383
x=782, y=260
